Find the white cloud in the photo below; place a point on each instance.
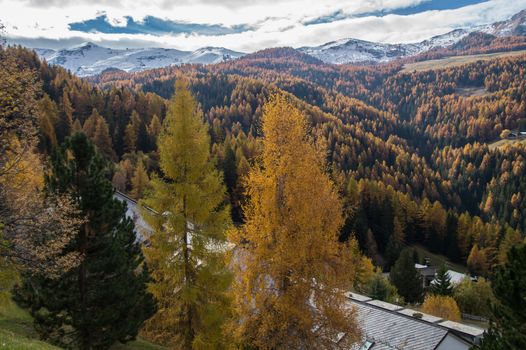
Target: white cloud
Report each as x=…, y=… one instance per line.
x=276, y=22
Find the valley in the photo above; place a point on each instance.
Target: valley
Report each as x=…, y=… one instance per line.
x=456, y=61
x=364, y=193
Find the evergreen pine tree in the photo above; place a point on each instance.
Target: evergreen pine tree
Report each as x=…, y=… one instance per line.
x=231, y=179
x=104, y=299
x=186, y=255
x=508, y=321
x=406, y=278
x=442, y=283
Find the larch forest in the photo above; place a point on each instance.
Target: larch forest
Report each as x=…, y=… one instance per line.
x=274, y=197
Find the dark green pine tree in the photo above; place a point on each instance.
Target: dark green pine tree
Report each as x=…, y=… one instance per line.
x=230, y=175
x=406, y=278
x=508, y=321
x=442, y=283
x=104, y=299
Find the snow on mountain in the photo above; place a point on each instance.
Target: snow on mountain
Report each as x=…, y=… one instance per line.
x=211, y=55
x=516, y=25
x=90, y=59
x=443, y=40
x=353, y=50
x=359, y=51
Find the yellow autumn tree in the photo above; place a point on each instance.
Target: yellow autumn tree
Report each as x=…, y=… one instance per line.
x=139, y=181
x=291, y=270
x=189, y=217
x=35, y=229
x=441, y=306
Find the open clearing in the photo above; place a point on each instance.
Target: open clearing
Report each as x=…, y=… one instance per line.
x=456, y=61
x=502, y=143
x=437, y=259
x=472, y=91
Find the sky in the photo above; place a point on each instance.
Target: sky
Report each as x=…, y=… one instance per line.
x=241, y=25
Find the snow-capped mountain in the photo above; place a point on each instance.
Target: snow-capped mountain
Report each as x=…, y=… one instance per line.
x=356, y=51
x=90, y=59
x=359, y=51
x=516, y=25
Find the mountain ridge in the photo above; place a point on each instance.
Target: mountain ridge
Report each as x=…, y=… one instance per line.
x=88, y=59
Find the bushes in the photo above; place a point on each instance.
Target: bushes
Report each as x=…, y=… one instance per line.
x=441, y=306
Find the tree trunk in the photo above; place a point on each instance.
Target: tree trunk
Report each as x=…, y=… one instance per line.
x=85, y=336
x=189, y=334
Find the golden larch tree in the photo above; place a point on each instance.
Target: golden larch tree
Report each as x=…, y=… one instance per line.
x=442, y=306
x=291, y=271
x=139, y=181
x=189, y=217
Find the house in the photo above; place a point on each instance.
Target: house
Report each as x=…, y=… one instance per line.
x=455, y=277
x=427, y=272
x=388, y=327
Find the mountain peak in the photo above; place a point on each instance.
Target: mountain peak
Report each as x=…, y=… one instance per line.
x=85, y=46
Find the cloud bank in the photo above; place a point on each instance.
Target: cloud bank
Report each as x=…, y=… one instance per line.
x=239, y=24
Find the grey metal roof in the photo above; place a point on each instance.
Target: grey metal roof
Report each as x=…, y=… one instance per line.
x=425, y=317
x=390, y=330
x=463, y=328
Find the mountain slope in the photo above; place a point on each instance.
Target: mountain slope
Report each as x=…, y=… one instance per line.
x=90, y=59
x=360, y=51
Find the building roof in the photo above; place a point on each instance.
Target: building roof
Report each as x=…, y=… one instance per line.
x=425, y=270
x=389, y=330
x=455, y=277
x=425, y=317
x=389, y=326
x=463, y=328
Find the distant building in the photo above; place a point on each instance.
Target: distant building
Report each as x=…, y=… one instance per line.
x=388, y=327
x=455, y=277
x=427, y=272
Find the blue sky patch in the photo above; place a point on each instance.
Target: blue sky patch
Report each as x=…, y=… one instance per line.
x=154, y=26
x=430, y=5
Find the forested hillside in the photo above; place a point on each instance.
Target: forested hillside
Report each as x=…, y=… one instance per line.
x=408, y=150
x=401, y=159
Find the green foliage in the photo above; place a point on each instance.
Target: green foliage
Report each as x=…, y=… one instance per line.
x=442, y=283
x=508, y=315
x=380, y=288
x=186, y=255
x=406, y=278
x=104, y=299
x=474, y=298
